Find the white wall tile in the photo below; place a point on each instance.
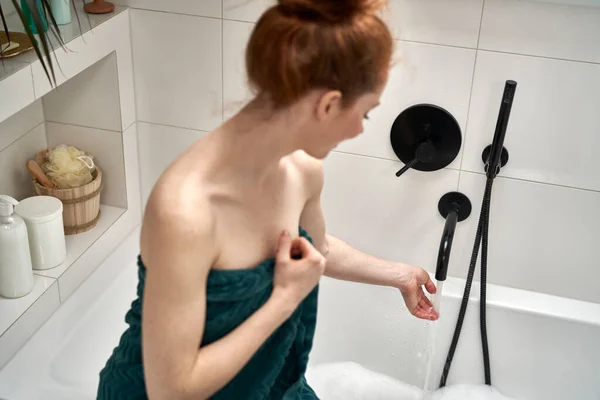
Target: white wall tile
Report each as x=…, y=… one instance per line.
x=16, y=180
x=552, y=134
x=16, y=336
x=449, y=22
x=426, y=74
x=20, y=85
x=534, y=28
x=126, y=79
x=89, y=99
x=159, y=146
x=132, y=169
x=588, y=3
x=107, y=149
x=395, y=218
x=245, y=10
x=184, y=88
x=20, y=123
x=236, y=92
x=454, y=22
x=542, y=238
x=207, y=8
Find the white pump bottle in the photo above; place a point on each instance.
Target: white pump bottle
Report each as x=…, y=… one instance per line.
x=16, y=273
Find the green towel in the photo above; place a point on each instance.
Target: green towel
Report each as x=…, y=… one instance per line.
x=275, y=372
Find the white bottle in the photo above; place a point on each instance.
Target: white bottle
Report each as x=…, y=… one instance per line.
x=16, y=272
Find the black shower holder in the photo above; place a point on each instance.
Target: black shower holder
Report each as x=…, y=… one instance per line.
x=485, y=157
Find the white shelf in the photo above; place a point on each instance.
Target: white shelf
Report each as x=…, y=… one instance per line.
x=12, y=309
x=80, y=243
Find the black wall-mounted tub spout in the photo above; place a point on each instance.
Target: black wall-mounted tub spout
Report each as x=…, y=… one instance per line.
x=425, y=137
x=454, y=207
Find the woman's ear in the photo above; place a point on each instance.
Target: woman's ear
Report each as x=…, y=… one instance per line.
x=329, y=104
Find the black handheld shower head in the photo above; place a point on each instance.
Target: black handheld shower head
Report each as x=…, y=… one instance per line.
x=493, y=163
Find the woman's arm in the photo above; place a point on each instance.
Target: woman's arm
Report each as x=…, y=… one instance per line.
x=347, y=263
x=178, y=250
x=344, y=262
x=350, y=264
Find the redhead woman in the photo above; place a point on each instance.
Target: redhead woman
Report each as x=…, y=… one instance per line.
x=233, y=241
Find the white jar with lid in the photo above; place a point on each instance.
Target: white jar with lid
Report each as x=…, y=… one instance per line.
x=16, y=275
x=43, y=217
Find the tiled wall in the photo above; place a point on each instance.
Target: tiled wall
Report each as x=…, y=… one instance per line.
x=85, y=113
x=188, y=60
x=20, y=137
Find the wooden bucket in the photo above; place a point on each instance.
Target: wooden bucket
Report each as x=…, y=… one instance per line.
x=81, y=205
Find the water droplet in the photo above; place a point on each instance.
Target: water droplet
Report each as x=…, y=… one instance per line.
x=390, y=339
x=393, y=354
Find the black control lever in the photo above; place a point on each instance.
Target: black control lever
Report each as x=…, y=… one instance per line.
x=425, y=153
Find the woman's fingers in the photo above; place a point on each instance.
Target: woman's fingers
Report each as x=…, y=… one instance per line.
x=423, y=314
x=284, y=246
x=303, y=245
x=418, y=303
x=425, y=309
x=424, y=302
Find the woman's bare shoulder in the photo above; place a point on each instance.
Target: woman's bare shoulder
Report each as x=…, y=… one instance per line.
x=178, y=214
x=311, y=170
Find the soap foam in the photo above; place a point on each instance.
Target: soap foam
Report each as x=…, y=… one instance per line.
x=351, y=381
x=467, y=392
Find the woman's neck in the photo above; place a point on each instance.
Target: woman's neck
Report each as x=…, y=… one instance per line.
x=252, y=143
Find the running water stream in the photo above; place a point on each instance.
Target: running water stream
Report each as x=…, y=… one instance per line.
x=430, y=381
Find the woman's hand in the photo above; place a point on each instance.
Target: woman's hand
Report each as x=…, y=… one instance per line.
x=298, y=269
x=410, y=282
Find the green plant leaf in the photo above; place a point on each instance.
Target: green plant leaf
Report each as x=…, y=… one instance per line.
x=42, y=43
x=54, y=27
x=37, y=21
x=5, y=31
x=79, y=19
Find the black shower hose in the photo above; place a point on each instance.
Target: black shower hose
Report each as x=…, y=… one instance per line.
x=481, y=239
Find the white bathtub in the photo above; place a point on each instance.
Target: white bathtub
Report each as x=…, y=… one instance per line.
x=542, y=347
